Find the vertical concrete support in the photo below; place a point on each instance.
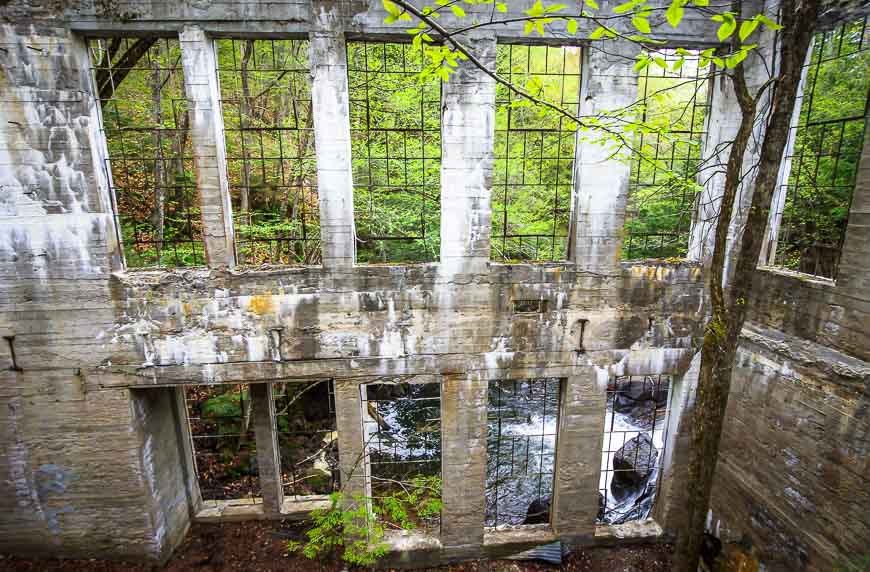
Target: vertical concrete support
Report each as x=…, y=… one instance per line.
x=853, y=276
x=578, y=455
x=467, y=138
x=268, y=456
x=332, y=139
x=351, y=446
x=199, y=63
x=463, y=462
x=601, y=181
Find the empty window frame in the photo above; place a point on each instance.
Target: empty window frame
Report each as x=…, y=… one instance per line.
x=265, y=91
x=522, y=420
x=307, y=438
x=402, y=431
x=534, y=153
x=140, y=87
x=665, y=163
x=223, y=442
x=635, y=433
x=825, y=147
x=395, y=123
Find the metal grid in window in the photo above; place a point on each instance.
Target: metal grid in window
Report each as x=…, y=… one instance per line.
x=395, y=123
x=534, y=153
x=663, y=183
x=826, y=147
x=265, y=91
x=307, y=438
x=145, y=123
x=402, y=430
x=223, y=442
x=635, y=434
x=522, y=420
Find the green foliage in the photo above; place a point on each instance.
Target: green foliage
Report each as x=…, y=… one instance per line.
x=410, y=503
x=858, y=564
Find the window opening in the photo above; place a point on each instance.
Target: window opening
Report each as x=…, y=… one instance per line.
x=265, y=92
x=522, y=420
x=664, y=168
x=534, y=153
x=827, y=143
x=145, y=123
x=635, y=433
x=223, y=442
x=307, y=438
x=395, y=123
x=402, y=430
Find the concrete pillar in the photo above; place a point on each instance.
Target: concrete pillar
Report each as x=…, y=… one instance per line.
x=467, y=139
x=199, y=63
x=351, y=445
x=268, y=454
x=463, y=462
x=578, y=456
x=331, y=110
x=853, y=275
x=600, y=180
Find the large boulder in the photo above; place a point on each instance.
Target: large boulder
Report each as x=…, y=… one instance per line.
x=538, y=511
x=642, y=401
x=633, y=464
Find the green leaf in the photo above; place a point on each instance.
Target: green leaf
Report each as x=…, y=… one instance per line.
x=729, y=24
x=674, y=13
x=701, y=3
x=501, y=7
x=746, y=29
x=392, y=8
x=719, y=62
x=528, y=28
x=660, y=61
x=592, y=4
x=457, y=11
x=555, y=8
x=642, y=24
x=641, y=64
x=571, y=27
x=537, y=9
x=768, y=23
x=623, y=8
x=678, y=64
x=598, y=33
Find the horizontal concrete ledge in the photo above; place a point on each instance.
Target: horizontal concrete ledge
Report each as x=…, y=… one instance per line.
x=803, y=277
x=253, y=509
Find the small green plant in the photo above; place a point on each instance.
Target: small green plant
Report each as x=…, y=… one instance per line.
x=861, y=564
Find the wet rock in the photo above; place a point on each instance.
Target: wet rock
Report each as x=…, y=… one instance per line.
x=633, y=464
x=602, y=507
x=644, y=401
x=538, y=511
x=637, y=509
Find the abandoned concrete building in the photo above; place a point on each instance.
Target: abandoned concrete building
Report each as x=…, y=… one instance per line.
x=201, y=361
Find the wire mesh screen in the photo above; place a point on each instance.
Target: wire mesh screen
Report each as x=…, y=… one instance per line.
x=534, y=153
x=827, y=143
x=140, y=87
x=522, y=420
x=395, y=123
x=635, y=433
x=402, y=429
x=223, y=442
x=265, y=91
x=663, y=183
x=307, y=438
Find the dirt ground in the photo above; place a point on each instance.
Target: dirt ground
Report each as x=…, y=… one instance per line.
x=261, y=546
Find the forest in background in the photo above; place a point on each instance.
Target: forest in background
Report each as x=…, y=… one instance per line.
x=396, y=150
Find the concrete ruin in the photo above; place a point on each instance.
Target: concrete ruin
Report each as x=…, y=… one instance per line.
x=95, y=460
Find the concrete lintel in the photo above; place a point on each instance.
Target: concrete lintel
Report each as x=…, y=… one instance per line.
x=199, y=63
x=600, y=187
x=268, y=454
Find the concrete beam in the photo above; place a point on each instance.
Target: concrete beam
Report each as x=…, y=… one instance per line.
x=330, y=94
x=600, y=180
x=268, y=454
x=209, y=149
x=351, y=441
x=467, y=139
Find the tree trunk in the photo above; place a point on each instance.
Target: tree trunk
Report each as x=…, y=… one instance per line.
x=729, y=313
x=159, y=213
x=246, y=117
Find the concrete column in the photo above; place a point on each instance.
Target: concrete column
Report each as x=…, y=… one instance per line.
x=578, y=456
x=467, y=139
x=853, y=276
x=329, y=92
x=600, y=181
x=351, y=451
x=199, y=63
x=268, y=454
x=463, y=462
